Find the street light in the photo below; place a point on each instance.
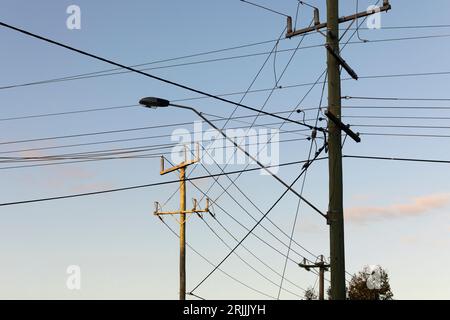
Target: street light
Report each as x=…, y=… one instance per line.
x=153, y=103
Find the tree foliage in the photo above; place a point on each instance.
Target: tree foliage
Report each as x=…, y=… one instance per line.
x=372, y=283
x=310, y=294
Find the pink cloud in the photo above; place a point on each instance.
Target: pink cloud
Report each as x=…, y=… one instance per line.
x=89, y=187
x=410, y=240
x=32, y=154
x=362, y=197
x=417, y=206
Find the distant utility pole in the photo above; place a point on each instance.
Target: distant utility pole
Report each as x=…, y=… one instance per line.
x=322, y=266
x=335, y=216
x=182, y=212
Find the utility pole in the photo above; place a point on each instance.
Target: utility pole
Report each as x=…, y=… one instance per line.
x=182, y=213
x=322, y=266
x=335, y=206
x=335, y=215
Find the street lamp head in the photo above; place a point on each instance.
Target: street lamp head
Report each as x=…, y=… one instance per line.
x=152, y=102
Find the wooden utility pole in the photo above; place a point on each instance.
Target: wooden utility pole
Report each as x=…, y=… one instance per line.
x=322, y=266
x=335, y=215
x=182, y=213
x=335, y=206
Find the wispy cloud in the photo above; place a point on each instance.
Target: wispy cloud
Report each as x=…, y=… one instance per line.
x=88, y=187
x=410, y=240
x=362, y=197
x=415, y=207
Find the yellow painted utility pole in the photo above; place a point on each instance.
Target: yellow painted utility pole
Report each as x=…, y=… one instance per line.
x=322, y=266
x=182, y=213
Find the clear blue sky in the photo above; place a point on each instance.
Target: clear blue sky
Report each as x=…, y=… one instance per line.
x=398, y=212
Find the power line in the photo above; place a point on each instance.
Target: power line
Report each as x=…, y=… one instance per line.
x=141, y=148
x=120, y=140
x=399, y=126
x=325, y=70
x=100, y=72
x=265, y=8
x=77, y=195
x=232, y=182
x=397, y=117
x=408, y=135
x=106, y=74
x=243, y=97
x=398, y=99
x=399, y=107
x=225, y=190
x=59, y=44
x=90, y=156
x=251, y=252
x=96, y=133
x=408, y=27
x=256, y=225
x=253, y=91
x=294, y=224
x=243, y=260
x=212, y=264
x=42, y=115
x=402, y=75
x=116, y=71
x=279, y=199
x=268, y=97
x=79, y=76
x=380, y=76
x=397, y=159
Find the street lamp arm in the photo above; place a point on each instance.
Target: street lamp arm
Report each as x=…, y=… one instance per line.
x=251, y=157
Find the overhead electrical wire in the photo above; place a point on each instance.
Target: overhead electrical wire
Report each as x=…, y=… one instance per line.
x=244, y=95
x=113, y=141
x=399, y=107
x=303, y=171
x=116, y=71
x=181, y=86
x=264, y=8
x=266, y=100
x=245, y=261
x=355, y=156
x=96, y=133
x=399, y=126
x=120, y=151
x=84, y=194
x=249, y=91
x=216, y=180
x=212, y=264
x=397, y=159
x=407, y=135
x=397, y=98
x=231, y=234
x=244, y=209
x=279, y=199
x=254, y=227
